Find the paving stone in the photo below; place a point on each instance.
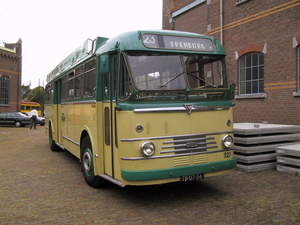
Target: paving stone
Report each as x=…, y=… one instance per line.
x=266, y=139
x=256, y=157
x=256, y=167
x=261, y=148
x=261, y=128
x=288, y=169
x=293, y=150
x=290, y=160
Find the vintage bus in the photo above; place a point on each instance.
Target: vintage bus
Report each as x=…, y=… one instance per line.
x=27, y=106
x=142, y=108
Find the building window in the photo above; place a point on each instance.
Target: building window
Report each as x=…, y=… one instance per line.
x=298, y=76
x=251, y=73
x=4, y=90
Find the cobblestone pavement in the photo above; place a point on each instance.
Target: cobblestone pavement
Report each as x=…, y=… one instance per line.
x=38, y=186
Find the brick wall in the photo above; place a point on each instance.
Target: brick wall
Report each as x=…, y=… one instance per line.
x=265, y=26
x=11, y=66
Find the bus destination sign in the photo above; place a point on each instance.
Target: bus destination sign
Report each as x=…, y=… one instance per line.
x=178, y=42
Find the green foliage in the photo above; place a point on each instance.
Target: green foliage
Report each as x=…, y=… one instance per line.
x=35, y=95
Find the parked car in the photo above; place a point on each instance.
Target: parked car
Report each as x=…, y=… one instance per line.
x=17, y=119
x=39, y=120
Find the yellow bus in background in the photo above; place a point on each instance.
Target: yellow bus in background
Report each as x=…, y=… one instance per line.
x=143, y=108
x=27, y=106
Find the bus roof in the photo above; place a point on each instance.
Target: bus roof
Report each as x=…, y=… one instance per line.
x=29, y=102
x=135, y=40
x=141, y=40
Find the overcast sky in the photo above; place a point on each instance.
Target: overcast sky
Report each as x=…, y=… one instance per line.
x=50, y=30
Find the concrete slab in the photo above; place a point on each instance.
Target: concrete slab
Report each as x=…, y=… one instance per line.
x=256, y=158
x=259, y=148
x=293, y=150
x=266, y=139
x=289, y=169
x=289, y=160
x=256, y=167
x=260, y=128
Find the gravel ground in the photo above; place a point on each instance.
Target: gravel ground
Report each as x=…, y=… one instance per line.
x=38, y=186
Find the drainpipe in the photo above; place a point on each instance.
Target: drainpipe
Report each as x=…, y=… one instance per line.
x=221, y=21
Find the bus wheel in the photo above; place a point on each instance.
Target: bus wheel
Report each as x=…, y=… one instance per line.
x=54, y=147
x=87, y=165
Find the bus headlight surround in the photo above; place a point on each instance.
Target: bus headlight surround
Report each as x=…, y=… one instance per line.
x=147, y=148
x=227, y=141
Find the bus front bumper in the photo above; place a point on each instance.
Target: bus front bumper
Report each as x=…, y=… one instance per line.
x=178, y=171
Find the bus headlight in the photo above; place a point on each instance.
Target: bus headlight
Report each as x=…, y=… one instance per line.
x=147, y=148
x=228, y=141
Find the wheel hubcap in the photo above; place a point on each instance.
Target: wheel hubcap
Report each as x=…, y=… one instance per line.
x=87, y=162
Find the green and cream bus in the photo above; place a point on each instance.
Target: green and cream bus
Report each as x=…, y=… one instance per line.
x=142, y=108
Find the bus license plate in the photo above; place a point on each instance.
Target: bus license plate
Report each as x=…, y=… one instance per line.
x=192, y=177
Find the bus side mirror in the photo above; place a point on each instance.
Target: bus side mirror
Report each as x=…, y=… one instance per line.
x=232, y=91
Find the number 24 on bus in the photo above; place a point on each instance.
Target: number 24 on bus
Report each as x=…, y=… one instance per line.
x=143, y=108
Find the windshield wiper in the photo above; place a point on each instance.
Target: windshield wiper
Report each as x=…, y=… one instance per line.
x=164, y=85
x=201, y=79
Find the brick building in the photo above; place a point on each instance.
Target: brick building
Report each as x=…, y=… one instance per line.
x=262, y=41
x=10, y=76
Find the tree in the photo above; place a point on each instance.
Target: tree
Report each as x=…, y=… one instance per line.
x=37, y=95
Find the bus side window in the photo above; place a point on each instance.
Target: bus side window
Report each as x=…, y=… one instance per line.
x=49, y=93
x=71, y=85
x=79, y=82
x=64, y=88
x=89, y=84
x=90, y=79
x=125, y=82
x=106, y=85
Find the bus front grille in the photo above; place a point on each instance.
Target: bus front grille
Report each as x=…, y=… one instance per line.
x=184, y=145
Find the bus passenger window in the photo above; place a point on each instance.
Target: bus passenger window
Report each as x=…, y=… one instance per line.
x=78, y=86
x=89, y=84
x=71, y=86
x=79, y=82
x=64, y=88
x=90, y=79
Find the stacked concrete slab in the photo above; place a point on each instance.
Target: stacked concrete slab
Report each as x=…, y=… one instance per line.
x=289, y=160
x=256, y=143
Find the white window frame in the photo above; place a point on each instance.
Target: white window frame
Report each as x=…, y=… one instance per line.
x=260, y=77
x=4, y=90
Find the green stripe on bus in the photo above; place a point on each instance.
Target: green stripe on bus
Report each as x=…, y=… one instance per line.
x=178, y=172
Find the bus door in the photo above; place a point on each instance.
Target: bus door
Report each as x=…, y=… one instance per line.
x=109, y=105
x=63, y=116
x=56, y=115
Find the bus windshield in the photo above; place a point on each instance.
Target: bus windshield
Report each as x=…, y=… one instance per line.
x=157, y=71
x=171, y=75
x=205, y=71
x=154, y=71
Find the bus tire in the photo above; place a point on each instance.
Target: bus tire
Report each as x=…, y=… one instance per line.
x=87, y=165
x=54, y=147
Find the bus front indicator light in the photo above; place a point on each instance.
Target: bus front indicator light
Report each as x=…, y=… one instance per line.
x=147, y=148
x=228, y=141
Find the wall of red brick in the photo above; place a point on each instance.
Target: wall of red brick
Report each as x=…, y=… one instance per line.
x=251, y=26
x=11, y=66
